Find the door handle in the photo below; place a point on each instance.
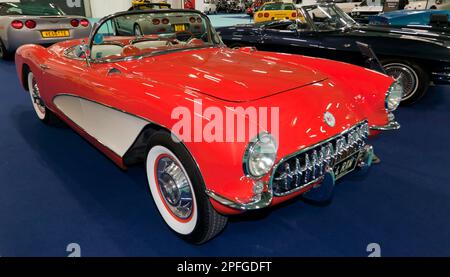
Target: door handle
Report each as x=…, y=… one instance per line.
x=44, y=67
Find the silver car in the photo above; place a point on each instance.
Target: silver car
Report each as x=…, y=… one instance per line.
x=45, y=24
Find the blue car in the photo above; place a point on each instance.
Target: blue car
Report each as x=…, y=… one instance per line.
x=431, y=18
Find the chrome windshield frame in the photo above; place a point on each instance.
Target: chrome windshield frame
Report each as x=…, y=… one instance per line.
x=99, y=24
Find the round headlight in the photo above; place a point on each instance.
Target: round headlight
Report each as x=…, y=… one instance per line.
x=394, y=96
x=260, y=155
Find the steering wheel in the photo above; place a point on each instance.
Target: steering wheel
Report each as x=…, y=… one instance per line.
x=184, y=34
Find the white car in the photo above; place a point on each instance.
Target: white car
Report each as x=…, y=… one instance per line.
x=432, y=4
x=209, y=7
x=367, y=8
x=346, y=5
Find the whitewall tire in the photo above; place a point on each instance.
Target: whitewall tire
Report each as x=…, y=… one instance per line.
x=33, y=89
x=157, y=158
x=179, y=192
x=41, y=111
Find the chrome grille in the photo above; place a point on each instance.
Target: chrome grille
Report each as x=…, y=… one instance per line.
x=309, y=166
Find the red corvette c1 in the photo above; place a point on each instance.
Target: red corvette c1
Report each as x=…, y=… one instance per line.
x=123, y=92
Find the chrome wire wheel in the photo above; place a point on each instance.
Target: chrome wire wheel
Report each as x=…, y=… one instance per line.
x=137, y=31
x=174, y=187
x=35, y=95
x=172, y=190
x=406, y=75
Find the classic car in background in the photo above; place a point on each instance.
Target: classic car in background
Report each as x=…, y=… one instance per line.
x=366, y=9
x=346, y=5
x=209, y=7
x=37, y=23
x=373, y=7
x=438, y=19
x=255, y=7
x=275, y=11
x=122, y=102
x=148, y=5
x=416, y=57
x=147, y=23
x=429, y=4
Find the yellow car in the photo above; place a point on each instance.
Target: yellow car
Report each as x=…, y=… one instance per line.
x=272, y=11
x=148, y=5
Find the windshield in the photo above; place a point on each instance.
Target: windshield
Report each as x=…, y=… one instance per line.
x=327, y=17
x=32, y=9
x=277, y=7
x=140, y=34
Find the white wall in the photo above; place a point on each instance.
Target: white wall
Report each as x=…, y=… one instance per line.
x=101, y=8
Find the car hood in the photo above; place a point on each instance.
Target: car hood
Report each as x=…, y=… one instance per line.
x=226, y=74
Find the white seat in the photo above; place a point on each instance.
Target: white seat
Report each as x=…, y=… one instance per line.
x=105, y=50
x=150, y=44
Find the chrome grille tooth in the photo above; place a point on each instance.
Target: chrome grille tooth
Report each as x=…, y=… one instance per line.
x=287, y=170
x=314, y=162
x=321, y=160
x=298, y=173
x=307, y=169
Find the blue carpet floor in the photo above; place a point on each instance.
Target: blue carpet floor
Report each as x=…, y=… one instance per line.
x=56, y=189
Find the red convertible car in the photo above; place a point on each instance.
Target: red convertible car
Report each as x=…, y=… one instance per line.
x=128, y=94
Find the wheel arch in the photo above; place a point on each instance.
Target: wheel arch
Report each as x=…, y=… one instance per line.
x=25, y=70
x=423, y=64
x=137, y=152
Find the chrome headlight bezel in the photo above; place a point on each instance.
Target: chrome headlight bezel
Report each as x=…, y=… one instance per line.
x=262, y=141
x=393, y=96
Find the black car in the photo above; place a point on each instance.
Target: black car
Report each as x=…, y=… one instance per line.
x=415, y=57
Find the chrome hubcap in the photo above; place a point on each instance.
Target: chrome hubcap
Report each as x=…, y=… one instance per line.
x=137, y=31
x=174, y=187
x=406, y=75
x=37, y=97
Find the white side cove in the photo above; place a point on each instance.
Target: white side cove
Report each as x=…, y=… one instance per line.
x=114, y=129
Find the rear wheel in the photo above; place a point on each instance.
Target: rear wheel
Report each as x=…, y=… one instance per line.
x=414, y=79
x=42, y=112
x=137, y=30
x=3, y=52
x=178, y=191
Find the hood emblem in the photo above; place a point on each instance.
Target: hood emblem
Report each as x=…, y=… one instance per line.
x=329, y=119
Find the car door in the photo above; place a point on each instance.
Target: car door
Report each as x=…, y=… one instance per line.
x=294, y=41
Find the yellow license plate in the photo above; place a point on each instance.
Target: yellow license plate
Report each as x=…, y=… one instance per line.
x=55, y=34
x=179, y=27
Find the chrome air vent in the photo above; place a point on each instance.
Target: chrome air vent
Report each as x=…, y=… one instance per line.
x=309, y=165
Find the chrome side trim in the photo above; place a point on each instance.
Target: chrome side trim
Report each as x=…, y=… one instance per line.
x=266, y=200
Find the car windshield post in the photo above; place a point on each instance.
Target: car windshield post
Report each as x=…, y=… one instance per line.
x=327, y=17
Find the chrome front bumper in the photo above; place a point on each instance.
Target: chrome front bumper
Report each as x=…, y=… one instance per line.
x=322, y=188
x=392, y=125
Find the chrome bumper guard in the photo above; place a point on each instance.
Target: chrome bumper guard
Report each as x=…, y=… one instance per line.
x=392, y=125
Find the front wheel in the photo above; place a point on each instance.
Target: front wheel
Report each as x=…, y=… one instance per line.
x=414, y=79
x=42, y=112
x=178, y=191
